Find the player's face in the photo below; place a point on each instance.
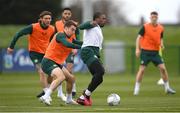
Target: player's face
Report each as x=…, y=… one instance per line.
x=46, y=20
x=102, y=20
x=66, y=15
x=154, y=18
x=70, y=30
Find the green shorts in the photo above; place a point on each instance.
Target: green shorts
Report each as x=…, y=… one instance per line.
x=70, y=58
x=150, y=56
x=36, y=57
x=48, y=65
x=90, y=54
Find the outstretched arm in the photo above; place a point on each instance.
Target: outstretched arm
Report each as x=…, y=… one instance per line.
x=24, y=31
x=87, y=25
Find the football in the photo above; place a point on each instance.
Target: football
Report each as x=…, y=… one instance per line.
x=113, y=99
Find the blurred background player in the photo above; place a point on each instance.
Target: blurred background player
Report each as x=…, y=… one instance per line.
x=148, y=44
x=40, y=34
x=52, y=63
x=59, y=26
x=90, y=54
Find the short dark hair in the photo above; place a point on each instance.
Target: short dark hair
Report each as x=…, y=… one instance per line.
x=154, y=13
x=97, y=15
x=66, y=8
x=43, y=13
x=69, y=23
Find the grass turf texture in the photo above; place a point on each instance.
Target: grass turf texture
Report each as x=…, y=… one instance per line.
x=18, y=91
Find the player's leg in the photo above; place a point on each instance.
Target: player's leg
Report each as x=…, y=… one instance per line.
x=69, y=67
x=43, y=80
x=144, y=60
x=36, y=58
x=97, y=71
x=158, y=61
x=58, y=77
x=160, y=81
x=139, y=77
x=164, y=75
x=89, y=56
x=69, y=85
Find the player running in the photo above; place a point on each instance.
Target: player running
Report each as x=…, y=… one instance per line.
x=148, y=44
x=40, y=34
x=52, y=64
x=59, y=26
x=90, y=54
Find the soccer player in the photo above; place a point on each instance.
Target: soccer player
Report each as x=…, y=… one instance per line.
x=56, y=54
x=40, y=34
x=148, y=43
x=59, y=26
x=90, y=54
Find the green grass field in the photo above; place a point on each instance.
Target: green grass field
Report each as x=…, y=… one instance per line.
x=18, y=91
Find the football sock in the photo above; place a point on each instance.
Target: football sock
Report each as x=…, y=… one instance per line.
x=69, y=97
x=166, y=85
x=74, y=87
x=137, y=86
x=48, y=93
x=45, y=89
x=59, y=89
x=87, y=92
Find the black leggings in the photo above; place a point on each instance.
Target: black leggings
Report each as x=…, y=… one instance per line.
x=97, y=70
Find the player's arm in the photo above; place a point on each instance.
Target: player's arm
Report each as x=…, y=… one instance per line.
x=78, y=42
x=24, y=31
x=162, y=42
x=61, y=38
x=138, y=47
x=87, y=25
x=77, y=34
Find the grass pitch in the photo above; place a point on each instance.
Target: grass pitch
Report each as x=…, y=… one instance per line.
x=18, y=94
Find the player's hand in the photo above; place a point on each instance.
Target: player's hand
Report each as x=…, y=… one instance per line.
x=162, y=47
x=74, y=51
x=138, y=52
x=9, y=50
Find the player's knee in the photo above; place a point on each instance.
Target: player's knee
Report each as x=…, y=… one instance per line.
x=142, y=70
x=101, y=71
x=60, y=77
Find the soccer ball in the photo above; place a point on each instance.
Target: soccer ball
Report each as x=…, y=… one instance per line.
x=113, y=99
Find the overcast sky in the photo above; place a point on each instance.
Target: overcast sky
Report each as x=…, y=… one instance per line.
x=134, y=9
x=167, y=9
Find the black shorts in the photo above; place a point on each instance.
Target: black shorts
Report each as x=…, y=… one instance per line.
x=48, y=65
x=150, y=56
x=36, y=57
